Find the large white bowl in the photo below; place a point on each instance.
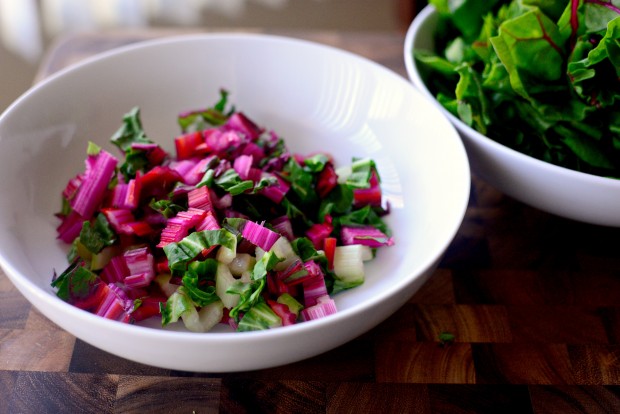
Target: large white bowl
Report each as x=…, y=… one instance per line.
x=550, y=188
x=317, y=97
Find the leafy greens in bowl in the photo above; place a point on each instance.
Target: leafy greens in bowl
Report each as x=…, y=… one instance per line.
x=539, y=77
x=533, y=87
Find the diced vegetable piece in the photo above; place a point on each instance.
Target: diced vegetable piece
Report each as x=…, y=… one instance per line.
x=327, y=180
x=199, y=281
x=241, y=263
x=126, y=195
x=177, y=305
x=241, y=123
x=209, y=222
x=318, y=232
x=325, y=306
x=101, y=259
x=292, y=304
x=163, y=281
x=220, y=141
x=191, y=246
x=295, y=273
x=158, y=182
x=368, y=196
x=186, y=144
x=365, y=235
x=259, y=235
x=94, y=184
x=72, y=186
x=283, y=226
x=329, y=247
x=147, y=307
x=259, y=317
x=277, y=190
x=140, y=265
x=242, y=166
x=284, y=250
x=223, y=281
x=314, y=288
x=200, y=198
x=349, y=264
x=210, y=315
x=115, y=305
x=178, y=227
x=115, y=270
x=285, y=314
x=70, y=227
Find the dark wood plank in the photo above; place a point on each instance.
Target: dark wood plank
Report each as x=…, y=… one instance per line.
x=46, y=392
x=575, y=399
x=7, y=384
x=364, y=397
x=479, y=399
x=522, y=364
x=353, y=361
x=14, y=309
x=556, y=324
x=140, y=394
x=468, y=323
x=32, y=350
x=536, y=287
x=424, y=362
x=91, y=360
x=245, y=395
x=438, y=290
x=595, y=364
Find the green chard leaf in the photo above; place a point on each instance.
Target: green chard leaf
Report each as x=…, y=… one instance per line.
x=210, y=117
x=186, y=250
x=531, y=48
x=177, y=305
x=249, y=295
x=465, y=14
x=594, y=67
x=259, y=317
x=230, y=182
x=75, y=282
x=306, y=251
x=302, y=182
x=316, y=163
x=131, y=132
x=166, y=207
x=199, y=282
x=97, y=235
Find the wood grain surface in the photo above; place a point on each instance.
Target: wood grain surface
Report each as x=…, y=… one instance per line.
x=531, y=299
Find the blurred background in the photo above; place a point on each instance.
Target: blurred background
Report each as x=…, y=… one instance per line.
x=29, y=27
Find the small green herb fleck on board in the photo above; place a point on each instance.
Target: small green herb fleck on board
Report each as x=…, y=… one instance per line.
x=446, y=338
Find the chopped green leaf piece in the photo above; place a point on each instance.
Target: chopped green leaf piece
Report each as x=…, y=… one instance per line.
x=258, y=318
x=97, y=235
x=199, y=282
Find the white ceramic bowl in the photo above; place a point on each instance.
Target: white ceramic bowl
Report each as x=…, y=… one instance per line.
x=554, y=189
x=316, y=97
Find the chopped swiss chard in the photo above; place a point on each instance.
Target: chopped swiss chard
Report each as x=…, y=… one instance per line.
x=234, y=229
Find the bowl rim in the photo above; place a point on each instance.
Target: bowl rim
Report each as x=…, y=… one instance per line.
x=22, y=282
x=411, y=36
